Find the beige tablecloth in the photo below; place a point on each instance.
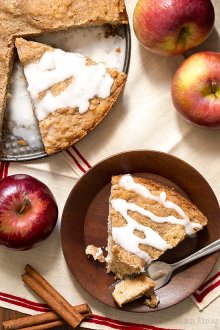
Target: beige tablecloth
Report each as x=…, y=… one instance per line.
x=143, y=118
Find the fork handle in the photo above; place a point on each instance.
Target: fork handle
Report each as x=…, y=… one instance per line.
x=213, y=247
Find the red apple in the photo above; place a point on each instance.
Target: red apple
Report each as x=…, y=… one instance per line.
x=171, y=27
x=28, y=211
x=196, y=89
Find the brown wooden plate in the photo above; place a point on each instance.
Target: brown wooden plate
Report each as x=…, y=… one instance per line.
x=84, y=222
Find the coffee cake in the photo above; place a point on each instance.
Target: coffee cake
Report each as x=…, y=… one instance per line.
x=23, y=18
x=146, y=219
x=70, y=93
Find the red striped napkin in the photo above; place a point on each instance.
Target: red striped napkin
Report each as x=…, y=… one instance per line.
x=209, y=290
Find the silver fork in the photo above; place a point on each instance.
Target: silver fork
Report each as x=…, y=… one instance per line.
x=161, y=272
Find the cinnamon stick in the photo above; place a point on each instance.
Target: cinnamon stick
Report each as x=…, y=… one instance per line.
x=50, y=325
x=44, y=318
x=61, y=306
x=41, y=326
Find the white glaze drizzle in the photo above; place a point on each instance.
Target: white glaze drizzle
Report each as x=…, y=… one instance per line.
x=127, y=182
x=125, y=237
x=20, y=116
x=56, y=66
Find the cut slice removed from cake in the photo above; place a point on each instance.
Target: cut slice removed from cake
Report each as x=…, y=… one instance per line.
x=70, y=93
x=146, y=219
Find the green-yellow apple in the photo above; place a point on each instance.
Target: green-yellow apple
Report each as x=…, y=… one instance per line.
x=196, y=89
x=171, y=27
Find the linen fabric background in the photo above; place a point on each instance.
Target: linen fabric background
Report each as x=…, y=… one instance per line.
x=143, y=118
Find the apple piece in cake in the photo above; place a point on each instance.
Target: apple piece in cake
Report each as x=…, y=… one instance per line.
x=146, y=219
x=70, y=93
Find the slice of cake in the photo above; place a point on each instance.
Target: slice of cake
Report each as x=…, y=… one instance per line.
x=132, y=288
x=70, y=93
x=22, y=18
x=145, y=220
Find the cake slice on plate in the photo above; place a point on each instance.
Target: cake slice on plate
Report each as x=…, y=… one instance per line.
x=146, y=219
x=70, y=93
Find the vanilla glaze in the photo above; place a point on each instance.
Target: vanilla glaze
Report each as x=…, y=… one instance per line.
x=128, y=183
x=88, y=41
x=125, y=237
x=57, y=66
x=19, y=112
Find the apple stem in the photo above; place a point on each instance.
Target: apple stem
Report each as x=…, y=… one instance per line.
x=213, y=87
x=183, y=33
x=26, y=202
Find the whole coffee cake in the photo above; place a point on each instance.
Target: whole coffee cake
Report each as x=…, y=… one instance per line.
x=24, y=18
